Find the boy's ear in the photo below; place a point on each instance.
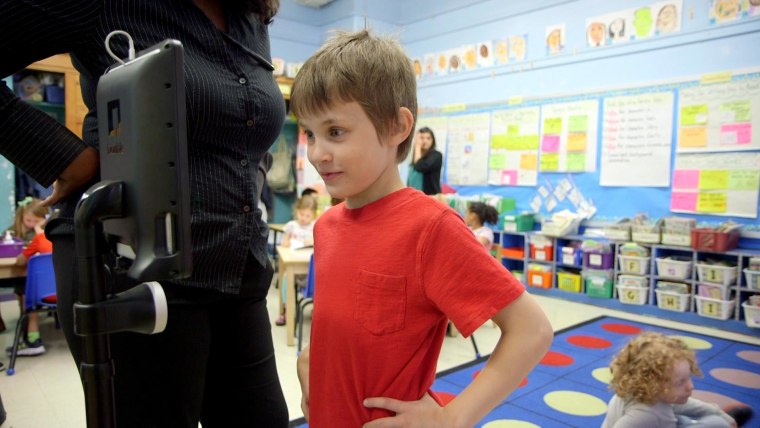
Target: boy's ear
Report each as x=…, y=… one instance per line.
x=404, y=126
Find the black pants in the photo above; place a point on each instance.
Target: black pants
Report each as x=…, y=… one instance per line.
x=214, y=363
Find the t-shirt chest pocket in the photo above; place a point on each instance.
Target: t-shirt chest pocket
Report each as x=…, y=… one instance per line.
x=380, y=302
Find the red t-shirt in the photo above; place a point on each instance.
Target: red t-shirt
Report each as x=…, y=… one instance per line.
x=39, y=245
x=388, y=276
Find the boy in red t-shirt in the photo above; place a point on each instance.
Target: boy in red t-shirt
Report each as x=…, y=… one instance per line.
x=393, y=265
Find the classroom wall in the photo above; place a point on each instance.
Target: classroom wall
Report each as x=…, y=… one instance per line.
x=428, y=26
x=697, y=49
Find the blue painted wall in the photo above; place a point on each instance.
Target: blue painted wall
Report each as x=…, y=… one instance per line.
x=428, y=26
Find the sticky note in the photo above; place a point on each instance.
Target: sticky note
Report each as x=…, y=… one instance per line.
x=454, y=107
x=740, y=133
x=499, y=141
x=530, y=142
x=721, y=76
x=514, y=100
x=552, y=125
x=692, y=137
x=576, y=142
x=683, y=201
x=576, y=161
x=529, y=161
x=549, y=162
x=577, y=124
x=713, y=179
x=497, y=161
x=513, y=130
x=550, y=144
x=737, y=111
x=694, y=115
x=509, y=178
x=744, y=179
x=712, y=202
x=686, y=179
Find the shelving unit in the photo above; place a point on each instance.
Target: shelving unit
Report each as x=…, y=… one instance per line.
x=739, y=289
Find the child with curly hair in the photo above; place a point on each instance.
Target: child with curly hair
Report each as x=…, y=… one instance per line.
x=477, y=215
x=651, y=378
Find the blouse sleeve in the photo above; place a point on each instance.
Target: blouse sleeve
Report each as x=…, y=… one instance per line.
x=430, y=162
x=31, y=31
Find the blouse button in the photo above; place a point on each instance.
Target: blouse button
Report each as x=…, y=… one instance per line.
x=249, y=122
x=246, y=208
x=242, y=80
x=243, y=162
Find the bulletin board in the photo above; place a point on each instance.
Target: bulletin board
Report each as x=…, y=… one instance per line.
x=648, y=136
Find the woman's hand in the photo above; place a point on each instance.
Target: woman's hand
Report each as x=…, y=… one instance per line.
x=79, y=172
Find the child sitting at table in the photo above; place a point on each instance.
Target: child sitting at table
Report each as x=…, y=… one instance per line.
x=28, y=225
x=299, y=233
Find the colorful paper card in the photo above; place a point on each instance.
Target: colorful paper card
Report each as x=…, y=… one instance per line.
x=713, y=180
x=686, y=179
x=683, y=201
x=692, y=137
x=712, y=202
x=576, y=142
x=549, y=162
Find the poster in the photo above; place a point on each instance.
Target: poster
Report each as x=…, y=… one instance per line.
x=720, y=116
x=513, y=159
x=569, y=136
x=467, y=150
x=722, y=184
x=636, y=140
x=555, y=39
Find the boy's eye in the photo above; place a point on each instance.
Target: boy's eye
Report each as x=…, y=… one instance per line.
x=309, y=135
x=336, y=132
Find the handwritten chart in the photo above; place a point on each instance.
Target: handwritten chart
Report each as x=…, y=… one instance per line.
x=716, y=184
x=514, y=147
x=720, y=117
x=569, y=136
x=636, y=139
x=468, y=149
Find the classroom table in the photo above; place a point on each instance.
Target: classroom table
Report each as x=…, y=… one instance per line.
x=291, y=263
x=9, y=269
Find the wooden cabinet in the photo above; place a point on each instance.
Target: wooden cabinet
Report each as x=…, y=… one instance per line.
x=74, y=106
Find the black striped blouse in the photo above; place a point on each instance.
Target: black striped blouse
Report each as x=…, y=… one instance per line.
x=235, y=111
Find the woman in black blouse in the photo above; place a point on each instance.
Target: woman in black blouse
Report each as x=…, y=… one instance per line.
x=428, y=161
x=215, y=361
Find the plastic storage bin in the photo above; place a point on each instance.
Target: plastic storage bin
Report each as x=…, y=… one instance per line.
x=539, y=279
x=717, y=274
x=569, y=281
x=646, y=233
x=713, y=291
x=633, y=264
x=712, y=240
x=541, y=253
x=618, y=232
x=715, y=308
x=598, y=260
x=518, y=222
x=632, y=280
x=571, y=256
x=751, y=315
x=752, y=279
x=672, y=301
x=597, y=286
x=11, y=249
x=513, y=252
x=673, y=268
x=633, y=295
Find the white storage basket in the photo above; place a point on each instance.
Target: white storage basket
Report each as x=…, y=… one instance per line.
x=633, y=295
x=717, y=274
x=632, y=280
x=714, y=291
x=752, y=279
x=675, y=269
x=715, y=308
x=751, y=315
x=671, y=301
x=633, y=265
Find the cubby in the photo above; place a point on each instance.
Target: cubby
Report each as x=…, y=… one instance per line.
x=647, y=282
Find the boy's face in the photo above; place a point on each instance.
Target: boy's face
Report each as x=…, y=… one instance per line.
x=355, y=163
x=680, y=387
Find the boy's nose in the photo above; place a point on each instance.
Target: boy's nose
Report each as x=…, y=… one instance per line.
x=317, y=153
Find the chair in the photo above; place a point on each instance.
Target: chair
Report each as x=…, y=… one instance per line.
x=306, y=299
x=40, y=296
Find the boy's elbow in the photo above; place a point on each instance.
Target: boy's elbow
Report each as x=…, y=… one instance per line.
x=544, y=335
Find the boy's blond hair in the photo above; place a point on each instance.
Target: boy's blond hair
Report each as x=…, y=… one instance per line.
x=357, y=66
x=643, y=370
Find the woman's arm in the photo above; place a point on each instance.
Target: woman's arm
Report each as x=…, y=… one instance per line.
x=432, y=161
x=32, y=140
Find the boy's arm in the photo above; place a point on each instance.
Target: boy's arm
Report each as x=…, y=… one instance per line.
x=302, y=367
x=525, y=337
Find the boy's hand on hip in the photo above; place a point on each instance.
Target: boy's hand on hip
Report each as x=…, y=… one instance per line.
x=79, y=172
x=424, y=412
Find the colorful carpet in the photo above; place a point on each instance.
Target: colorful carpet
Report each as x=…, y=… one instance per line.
x=569, y=388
